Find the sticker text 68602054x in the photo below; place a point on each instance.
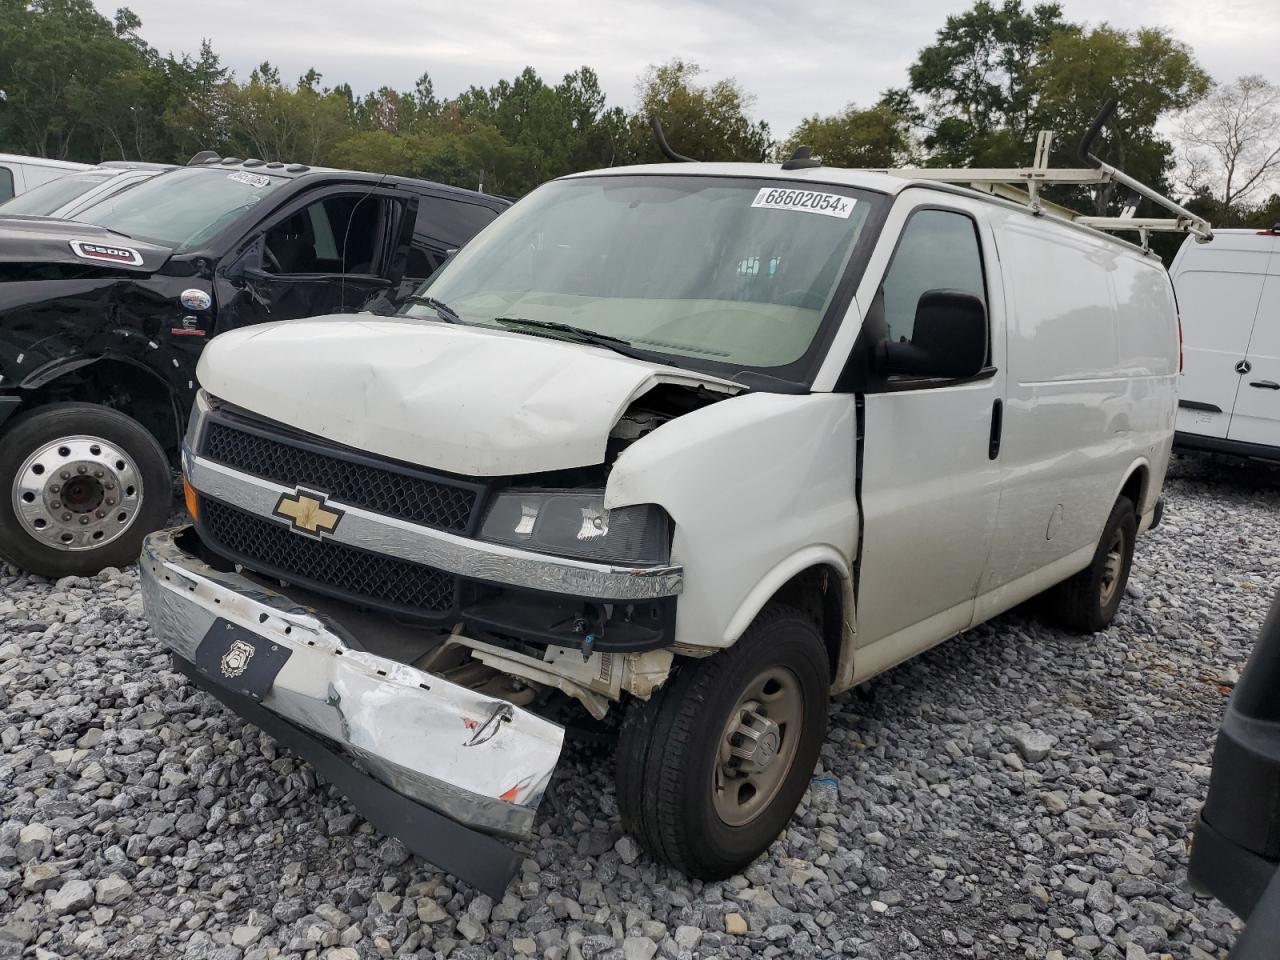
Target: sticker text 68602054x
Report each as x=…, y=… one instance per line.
x=804, y=201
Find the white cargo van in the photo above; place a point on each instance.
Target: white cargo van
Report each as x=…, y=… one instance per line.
x=19, y=174
x=1229, y=301
x=702, y=444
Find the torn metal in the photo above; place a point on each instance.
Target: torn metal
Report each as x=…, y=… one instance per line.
x=482, y=761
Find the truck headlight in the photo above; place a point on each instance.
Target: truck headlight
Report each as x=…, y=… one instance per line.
x=571, y=523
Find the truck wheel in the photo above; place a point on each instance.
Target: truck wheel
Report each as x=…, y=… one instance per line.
x=712, y=766
x=1088, y=601
x=80, y=486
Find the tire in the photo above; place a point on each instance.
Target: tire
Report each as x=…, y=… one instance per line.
x=1088, y=601
x=123, y=492
x=669, y=748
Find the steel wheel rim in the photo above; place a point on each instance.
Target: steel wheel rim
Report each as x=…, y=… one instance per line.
x=1112, y=565
x=77, y=493
x=757, y=746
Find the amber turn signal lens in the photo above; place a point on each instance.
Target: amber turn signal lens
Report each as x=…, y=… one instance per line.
x=189, y=496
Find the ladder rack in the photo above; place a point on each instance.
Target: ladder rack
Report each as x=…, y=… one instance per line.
x=1023, y=185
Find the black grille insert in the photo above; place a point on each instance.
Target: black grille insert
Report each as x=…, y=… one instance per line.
x=345, y=476
x=368, y=579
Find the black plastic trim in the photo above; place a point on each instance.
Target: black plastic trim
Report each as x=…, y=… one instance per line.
x=477, y=858
x=1197, y=443
x=8, y=407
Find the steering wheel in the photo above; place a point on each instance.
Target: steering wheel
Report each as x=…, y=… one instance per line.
x=272, y=260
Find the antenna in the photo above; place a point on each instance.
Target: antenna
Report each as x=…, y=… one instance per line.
x=665, y=147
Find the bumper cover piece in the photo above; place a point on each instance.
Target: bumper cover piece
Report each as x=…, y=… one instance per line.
x=1235, y=854
x=412, y=732
x=482, y=861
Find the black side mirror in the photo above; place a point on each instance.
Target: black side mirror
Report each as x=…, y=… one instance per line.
x=949, y=338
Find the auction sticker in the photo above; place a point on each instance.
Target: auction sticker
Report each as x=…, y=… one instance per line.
x=806, y=201
x=252, y=179
x=106, y=253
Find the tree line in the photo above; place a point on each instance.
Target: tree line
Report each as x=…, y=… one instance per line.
x=77, y=85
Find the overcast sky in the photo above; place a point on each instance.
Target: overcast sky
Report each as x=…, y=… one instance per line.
x=796, y=56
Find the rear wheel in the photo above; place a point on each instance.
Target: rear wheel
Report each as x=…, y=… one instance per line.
x=80, y=486
x=1088, y=601
x=712, y=766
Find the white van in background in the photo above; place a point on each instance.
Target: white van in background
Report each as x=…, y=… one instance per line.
x=19, y=174
x=1229, y=300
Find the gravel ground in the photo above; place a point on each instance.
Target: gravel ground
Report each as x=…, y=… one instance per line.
x=1017, y=792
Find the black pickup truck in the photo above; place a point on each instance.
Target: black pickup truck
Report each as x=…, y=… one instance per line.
x=103, y=319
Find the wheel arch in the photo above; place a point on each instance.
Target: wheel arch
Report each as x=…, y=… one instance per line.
x=816, y=579
x=1137, y=482
x=114, y=381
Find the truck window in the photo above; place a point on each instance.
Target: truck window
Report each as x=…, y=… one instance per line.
x=313, y=239
x=938, y=250
x=6, y=184
x=442, y=225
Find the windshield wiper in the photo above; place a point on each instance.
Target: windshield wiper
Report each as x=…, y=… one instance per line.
x=442, y=309
x=583, y=335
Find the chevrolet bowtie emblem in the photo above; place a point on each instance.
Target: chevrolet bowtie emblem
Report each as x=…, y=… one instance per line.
x=307, y=513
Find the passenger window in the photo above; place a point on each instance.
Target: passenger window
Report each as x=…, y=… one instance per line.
x=6, y=184
x=442, y=225
x=313, y=239
x=938, y=250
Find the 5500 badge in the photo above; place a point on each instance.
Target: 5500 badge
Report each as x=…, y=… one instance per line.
x=106, y=253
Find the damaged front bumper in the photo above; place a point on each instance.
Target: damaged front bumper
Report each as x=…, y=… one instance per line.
x=402, y=734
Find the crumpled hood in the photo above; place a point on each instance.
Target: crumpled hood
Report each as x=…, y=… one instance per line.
x=465, y=400
x=48, y=240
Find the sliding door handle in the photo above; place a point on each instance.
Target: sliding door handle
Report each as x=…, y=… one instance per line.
x=1265, y=384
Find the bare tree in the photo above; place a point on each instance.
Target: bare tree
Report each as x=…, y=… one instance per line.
x=1231, y=140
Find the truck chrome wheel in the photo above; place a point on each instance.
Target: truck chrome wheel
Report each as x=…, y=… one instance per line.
x=77, y=493
x=1113, y=566
x=758, y=746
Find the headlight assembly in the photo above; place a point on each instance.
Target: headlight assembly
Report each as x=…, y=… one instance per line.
x=573, y=523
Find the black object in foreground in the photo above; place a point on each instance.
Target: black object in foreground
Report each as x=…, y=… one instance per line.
x=1236, y=852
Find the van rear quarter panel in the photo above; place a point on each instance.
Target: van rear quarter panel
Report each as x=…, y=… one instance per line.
x=1092, y=346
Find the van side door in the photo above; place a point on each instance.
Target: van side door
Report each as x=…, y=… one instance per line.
x=1093, y=366
x=930, y=474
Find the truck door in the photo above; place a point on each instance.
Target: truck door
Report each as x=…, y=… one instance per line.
x=1256, y=416
x=1219, y=288
x=930, y=482
x=333, y=253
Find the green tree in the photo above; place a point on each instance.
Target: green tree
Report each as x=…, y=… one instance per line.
x=975, y=79
x=703, y=122
x=1151, y=74
x=875, y=137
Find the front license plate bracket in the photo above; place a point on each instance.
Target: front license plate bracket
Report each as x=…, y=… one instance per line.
x=240, y=660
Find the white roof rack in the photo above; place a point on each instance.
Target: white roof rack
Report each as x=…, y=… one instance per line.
x=1023, y=185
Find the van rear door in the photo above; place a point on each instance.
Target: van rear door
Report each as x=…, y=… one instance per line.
x=1256, y=415
x=1219, y=287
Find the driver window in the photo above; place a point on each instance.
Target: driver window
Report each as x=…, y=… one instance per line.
x=314, y=239
x=938, y=250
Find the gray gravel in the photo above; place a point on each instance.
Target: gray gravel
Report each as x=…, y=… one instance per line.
x=1017, y=792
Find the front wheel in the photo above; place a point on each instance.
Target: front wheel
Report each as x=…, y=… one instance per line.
x=80, y=486
x=713, y=765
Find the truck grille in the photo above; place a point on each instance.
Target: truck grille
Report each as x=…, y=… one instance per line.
x=367, y=579
x=345, y=476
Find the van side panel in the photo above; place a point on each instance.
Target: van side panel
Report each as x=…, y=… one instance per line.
x=1091, y=392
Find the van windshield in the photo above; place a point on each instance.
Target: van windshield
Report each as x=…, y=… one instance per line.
x=183, y=208
x=697, y=270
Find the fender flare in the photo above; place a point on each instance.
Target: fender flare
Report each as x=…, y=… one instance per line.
x=815, y=555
